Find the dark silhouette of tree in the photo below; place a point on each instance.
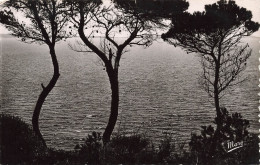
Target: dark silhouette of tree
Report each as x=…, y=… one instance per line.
x=216, y=36
x=119, y=26
x=152, y=10
x=43, y=22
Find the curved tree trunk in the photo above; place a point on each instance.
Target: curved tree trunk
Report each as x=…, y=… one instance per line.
x=113, y=79
x=45, y=91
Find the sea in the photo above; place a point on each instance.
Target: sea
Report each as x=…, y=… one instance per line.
x=159, y=91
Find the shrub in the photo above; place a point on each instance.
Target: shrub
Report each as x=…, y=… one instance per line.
x=125, y=149
x=90, y=151
x=171, y=152
x=149, y=155
x=165, y=149
x=250, y=153
x=19, y=144
x=233, y=128
x=121, y=149
x=60, y=157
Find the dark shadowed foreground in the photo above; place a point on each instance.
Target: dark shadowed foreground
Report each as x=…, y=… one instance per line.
x=19, y=145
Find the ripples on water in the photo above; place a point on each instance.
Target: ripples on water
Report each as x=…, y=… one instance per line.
x=159, y=92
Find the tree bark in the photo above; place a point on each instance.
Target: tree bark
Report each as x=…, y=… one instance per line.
x=113, y=79
x=45, y=92
x=217, y=106
x=216, y=82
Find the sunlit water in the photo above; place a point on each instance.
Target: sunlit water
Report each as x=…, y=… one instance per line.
x=159, y=92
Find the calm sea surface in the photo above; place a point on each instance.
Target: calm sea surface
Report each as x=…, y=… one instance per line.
x=159, y=91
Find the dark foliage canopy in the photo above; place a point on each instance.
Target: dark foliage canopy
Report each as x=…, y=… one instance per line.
x=223, y=15
x=40, y=21
x=154, y=9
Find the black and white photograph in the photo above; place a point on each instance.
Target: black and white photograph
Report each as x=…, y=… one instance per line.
x=129, y=82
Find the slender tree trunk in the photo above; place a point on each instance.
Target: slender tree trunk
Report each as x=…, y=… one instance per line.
x=217, y=131
x=216, y=101
x=218, y=112
x=216, y=82
x=45, y=91
x=113, y=79
x=216, y=86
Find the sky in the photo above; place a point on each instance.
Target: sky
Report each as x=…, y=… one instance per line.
x=198, y=5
